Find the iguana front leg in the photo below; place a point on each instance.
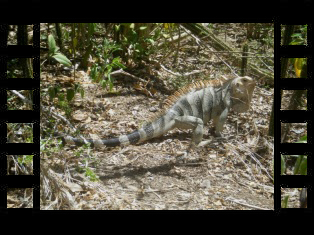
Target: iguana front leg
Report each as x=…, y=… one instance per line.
x=197, y=126
x=219, y=121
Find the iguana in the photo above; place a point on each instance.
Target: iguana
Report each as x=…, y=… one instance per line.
x=189, y=108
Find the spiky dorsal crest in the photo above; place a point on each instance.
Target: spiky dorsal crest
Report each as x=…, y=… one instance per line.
x=195, y=86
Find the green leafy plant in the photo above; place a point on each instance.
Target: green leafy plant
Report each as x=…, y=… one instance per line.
x=284, y=203
x=49, y=142
x=300, y=38
x=303, y=139
x=138, y=40
x=55, y=54
x=54, y=91
x=300, y=165
x=100, y=71
x=267, y=86
x=283, y=165
x=91, y=174
x=64, y=105
x=64, y=97
x=27, y=159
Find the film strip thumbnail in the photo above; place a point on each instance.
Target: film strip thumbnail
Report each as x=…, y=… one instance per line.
x=19, y=117
x=294, y=122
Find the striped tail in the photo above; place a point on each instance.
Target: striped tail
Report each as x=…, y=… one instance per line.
x=148, y=131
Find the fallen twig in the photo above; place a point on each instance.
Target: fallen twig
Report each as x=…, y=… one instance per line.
x=244, y=204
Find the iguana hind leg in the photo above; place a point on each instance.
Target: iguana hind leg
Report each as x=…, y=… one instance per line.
x=194, y=123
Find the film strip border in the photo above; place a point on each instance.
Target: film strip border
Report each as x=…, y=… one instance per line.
x=31, y=117
x=284, y=82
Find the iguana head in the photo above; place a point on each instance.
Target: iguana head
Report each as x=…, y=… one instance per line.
x=241, y=93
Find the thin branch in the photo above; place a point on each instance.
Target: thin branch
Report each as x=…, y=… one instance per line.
x=245, y=204
x=22, y=97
